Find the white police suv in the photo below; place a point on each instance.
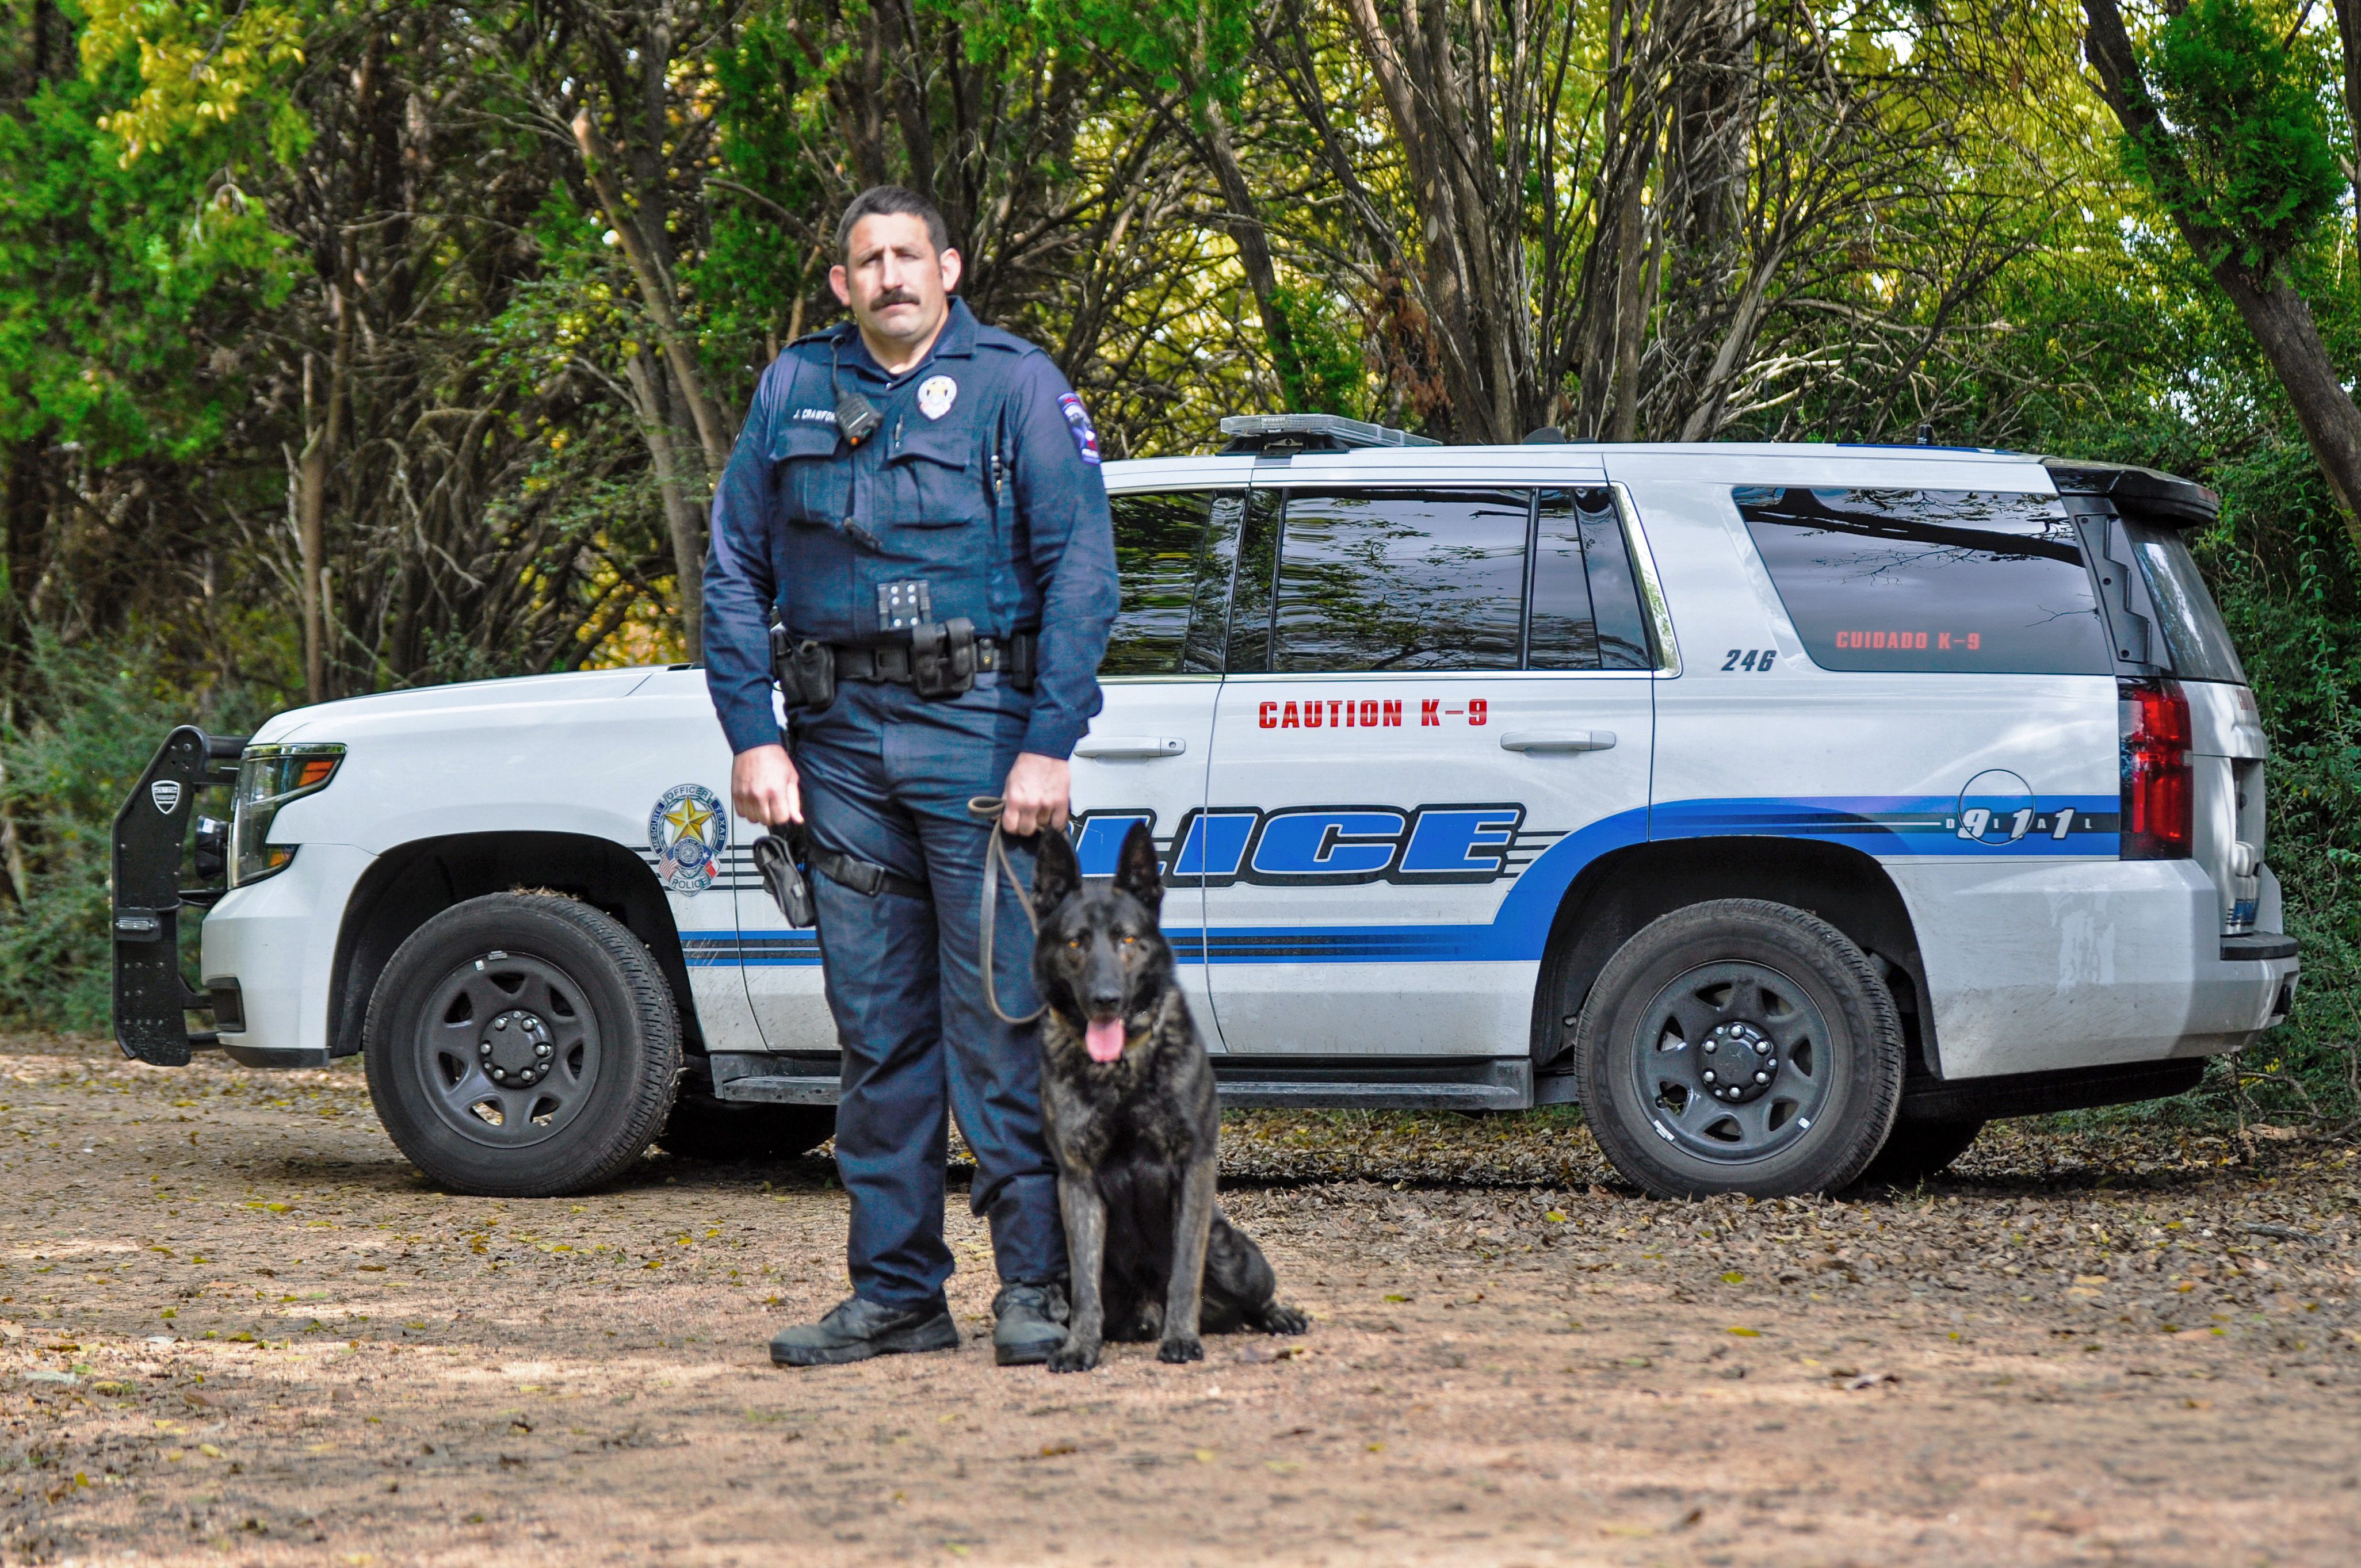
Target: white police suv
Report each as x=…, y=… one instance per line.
x=1794, y=809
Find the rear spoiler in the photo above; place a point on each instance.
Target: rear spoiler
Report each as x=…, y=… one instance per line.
x=2165, y=500
x=151, y=997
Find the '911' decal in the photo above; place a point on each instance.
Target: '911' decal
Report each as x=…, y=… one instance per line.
x=1319, y=846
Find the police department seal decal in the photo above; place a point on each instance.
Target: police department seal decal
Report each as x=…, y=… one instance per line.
x=687, y=831
x=935, y=396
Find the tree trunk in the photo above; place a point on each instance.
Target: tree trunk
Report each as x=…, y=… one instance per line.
x=682, y=521
x=1247, y=232
x=2281, y=322
x=312, y=496
x=2348, y=31
x=657, y=296
x=2274, y=313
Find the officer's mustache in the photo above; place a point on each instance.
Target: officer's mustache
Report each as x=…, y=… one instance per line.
x=892, y=297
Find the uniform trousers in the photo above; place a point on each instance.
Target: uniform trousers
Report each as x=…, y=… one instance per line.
x=886, y=776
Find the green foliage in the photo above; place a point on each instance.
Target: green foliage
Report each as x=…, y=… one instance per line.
x=198, y=61
x=1329, y=375
x=78, y=734
x=112, y=280
x=2244, y=154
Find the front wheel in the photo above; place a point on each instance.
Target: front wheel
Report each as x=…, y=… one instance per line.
x=521, y=1046
x=1739, y=1046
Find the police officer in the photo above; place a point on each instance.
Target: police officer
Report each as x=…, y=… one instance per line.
x=916, y=502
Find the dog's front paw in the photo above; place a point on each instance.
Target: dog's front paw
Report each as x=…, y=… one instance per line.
x=1181, y=1349
x=1275, y=1318
x=1074, y=1355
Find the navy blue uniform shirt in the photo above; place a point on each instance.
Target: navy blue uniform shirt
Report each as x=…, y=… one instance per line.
x=982, y=482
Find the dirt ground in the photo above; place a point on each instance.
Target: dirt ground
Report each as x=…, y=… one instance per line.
x=239, y=1328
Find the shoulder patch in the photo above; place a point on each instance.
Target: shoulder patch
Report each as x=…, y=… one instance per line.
x=1078, y=420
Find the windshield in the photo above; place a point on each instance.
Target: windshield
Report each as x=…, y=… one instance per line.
x=2202, y=649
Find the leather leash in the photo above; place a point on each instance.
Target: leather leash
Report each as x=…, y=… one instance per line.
x=987, y=808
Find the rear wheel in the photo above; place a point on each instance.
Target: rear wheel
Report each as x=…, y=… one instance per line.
x=1739, y=1046
x=1916, y=1150
x=521, y=1046
x=726, y=1132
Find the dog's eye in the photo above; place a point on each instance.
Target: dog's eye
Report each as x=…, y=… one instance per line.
x=1074, y=942
x=1129, y=941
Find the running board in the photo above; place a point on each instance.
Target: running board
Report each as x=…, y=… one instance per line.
x=1446, y=1084
x=1361, y=1084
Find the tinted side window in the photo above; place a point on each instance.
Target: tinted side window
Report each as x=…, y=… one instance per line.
x=1929, y=580
x=2202, y=649
x=1399, y=580
x=1258, y=561
x=1563, y=630
x=1159, y=544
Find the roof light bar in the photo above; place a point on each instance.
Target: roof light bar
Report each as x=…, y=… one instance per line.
x=1312, y=432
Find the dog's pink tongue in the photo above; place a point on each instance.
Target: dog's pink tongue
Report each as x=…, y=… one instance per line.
x=1104, y=1039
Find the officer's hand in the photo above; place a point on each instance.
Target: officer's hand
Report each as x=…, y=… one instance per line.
x=1039, y=793
x=763, y=786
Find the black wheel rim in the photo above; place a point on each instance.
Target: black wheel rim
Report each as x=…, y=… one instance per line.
x=1697, y=1027
x=507, y=1050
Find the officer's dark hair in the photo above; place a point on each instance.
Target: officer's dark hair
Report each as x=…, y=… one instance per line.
x=882, y=201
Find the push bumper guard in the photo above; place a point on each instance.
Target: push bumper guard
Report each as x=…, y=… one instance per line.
x=152, y=999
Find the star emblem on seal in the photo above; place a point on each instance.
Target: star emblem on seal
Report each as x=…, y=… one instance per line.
x=687, y=831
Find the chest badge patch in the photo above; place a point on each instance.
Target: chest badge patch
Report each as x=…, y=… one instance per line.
x=935, y=396
x=688, y=830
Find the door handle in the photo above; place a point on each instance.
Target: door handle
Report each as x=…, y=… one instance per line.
x=1571, y=740
x=1108, y=746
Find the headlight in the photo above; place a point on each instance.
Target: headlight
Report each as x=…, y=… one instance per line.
x=268, y=778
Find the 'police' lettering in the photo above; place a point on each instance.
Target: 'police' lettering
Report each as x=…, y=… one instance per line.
x=1315, y=845
x=1460, y=843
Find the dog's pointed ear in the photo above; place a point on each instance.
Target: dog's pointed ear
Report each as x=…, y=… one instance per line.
x=1056, y=872
x=1134, y=869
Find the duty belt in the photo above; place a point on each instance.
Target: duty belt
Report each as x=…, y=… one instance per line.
x=942, y=659
x=892, y=662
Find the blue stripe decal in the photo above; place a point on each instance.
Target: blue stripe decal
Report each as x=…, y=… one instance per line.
x=1877, y=825
x=755, y=949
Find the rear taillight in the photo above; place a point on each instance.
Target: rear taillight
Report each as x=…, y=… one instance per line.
x=2159, y=804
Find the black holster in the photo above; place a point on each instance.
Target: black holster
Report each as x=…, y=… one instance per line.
x=942, y=657
x=805, y=669
x=778, y=855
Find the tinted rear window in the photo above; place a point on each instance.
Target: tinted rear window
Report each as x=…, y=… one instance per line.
x=1958, y=581
x=2201, y=645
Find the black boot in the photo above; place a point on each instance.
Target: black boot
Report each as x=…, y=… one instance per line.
x=857, y=1330
x=1029, y=1322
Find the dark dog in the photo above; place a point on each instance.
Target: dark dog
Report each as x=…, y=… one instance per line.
x=1127, y=1096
